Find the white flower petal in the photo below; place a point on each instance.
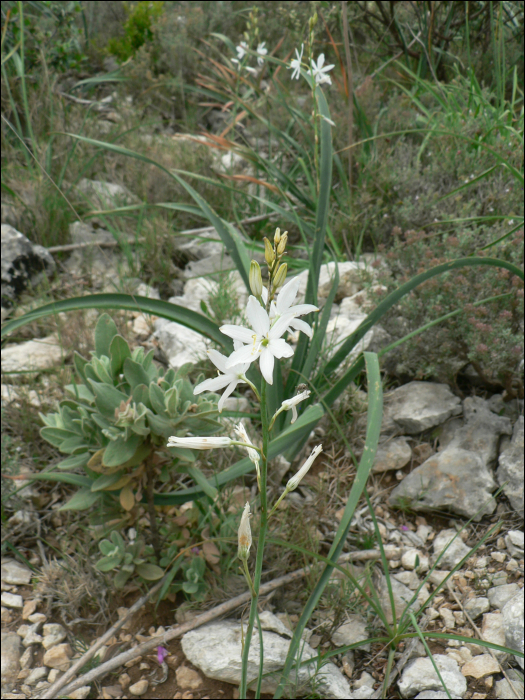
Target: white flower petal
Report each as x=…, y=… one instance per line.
x=229, y=390
x=245, y=335
x=280, y=326
x=218, y=360
x=287, y=295
x=299, y=325
x=280, y=348
x=213, y=384
x=257, y=316
x=266, y=364
x=248, y=353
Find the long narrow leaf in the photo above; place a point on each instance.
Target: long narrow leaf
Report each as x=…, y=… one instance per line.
x=164, y=309
x=375, y=409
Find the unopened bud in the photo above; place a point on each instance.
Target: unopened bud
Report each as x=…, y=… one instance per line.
x=245, y=534
x=280, y=276
x=277, y=236
x=255, y=278
x=282, y=243
x=269, y=255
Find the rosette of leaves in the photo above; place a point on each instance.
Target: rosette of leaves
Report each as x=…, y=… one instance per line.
x=128, y=559
x=118, y=418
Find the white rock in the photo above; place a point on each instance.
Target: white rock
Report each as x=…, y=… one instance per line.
x=36, y=675
x=454, y=554
x=10, y=660
x=216, y=650
x=80, y=693
x=419, y=675
x=12, y=600
x=14, y=573
x=180, y=344
x=53, y=635
x=351, y=632
x=394, y=454
x=492, y=630
x=480, y=666
x=43, y=353
x=514, y=542
x=499, y=595
x=58, y=657
x=513, y=623
x=138, y=688
x=350, y=280
x=411, y=557
x=477, y=606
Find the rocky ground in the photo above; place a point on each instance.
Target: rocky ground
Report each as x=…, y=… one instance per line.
x=443, y=455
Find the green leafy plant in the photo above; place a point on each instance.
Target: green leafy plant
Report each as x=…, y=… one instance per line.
x=129, y=559
x=137, y=28
x=117, y=421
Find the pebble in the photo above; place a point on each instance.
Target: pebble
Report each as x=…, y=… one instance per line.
x=499, y=595
x=412, y=557
x=477, y=606
x=187, y=678
x=139, y=688
x=58, y=657
x=480, y=666
x=12, y=600
x=499, y=557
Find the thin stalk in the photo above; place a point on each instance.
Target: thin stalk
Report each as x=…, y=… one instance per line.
x=260, y=545
x=350, y=87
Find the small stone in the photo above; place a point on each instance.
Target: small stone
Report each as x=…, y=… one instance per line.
x=500, y=543
x=53, y=675
x=138, y=688
x=351, y=632
x=12, y=600
x=512, y=565
x=14, y=573
x=459, y=617
x=498, y=556
x=29, y=608
x=503, y=687
x=499, y=578
x=413, y=558
x=447, y=617
x=492, y=631
x=482, y=562
x=10, y=661
x=31, y=636
x=480, y=666
x=80, y=693
x=36, y=675
x=348, y=663
x=187, y=678
x=514, y=542
x=438, y=576
x=124, y=680
x=122, y=612
x=501, y=594
x=419, y=676
x=456, y=551
x=26, y=660
x=58, y=657
x=477, y=606
x=53, y=635
x=6, y=615
x=37, y=617
x=365, y=679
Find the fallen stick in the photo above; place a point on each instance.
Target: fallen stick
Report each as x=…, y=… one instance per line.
x=174, y=632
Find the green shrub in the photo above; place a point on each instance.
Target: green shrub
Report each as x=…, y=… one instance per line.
x=137, y=29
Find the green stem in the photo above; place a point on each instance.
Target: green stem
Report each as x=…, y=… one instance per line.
x=260, y=545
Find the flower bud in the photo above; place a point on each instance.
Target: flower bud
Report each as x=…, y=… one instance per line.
x=280, y=276
x=245, y=534
x=277, y=236
x=255, y=278
x=293, y=483
x=282, y=243
x=269, y=255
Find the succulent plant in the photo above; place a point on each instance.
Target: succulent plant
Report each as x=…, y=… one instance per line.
x=116, y=424
x=128, y=559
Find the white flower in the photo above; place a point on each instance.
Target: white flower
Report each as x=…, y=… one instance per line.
x=319, y=71
x=295, y=64
x=292, y=403
x=252, y=454
x=293, y=483
x=283, y=306
x=261, y=340
x=245, y=534
x=229, y=377
x=242, y=50
x=199, y=443
x=262, y=51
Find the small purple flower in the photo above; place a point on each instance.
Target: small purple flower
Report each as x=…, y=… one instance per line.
x=161, y=655
x=195, y=550
x=404, y=528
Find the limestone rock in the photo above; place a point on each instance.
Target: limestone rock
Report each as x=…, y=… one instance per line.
x=511, y=468
x=419, y=676
x=455, y=552
x=394, y=454
x=418, y=406
x=10, y=660
x=216, y=650
x=513, y=623
x=14, y=573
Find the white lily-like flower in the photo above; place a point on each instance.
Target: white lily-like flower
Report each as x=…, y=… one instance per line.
x=292, y=403
x=261, y=51
x=252, y=453
x=293, y=483
x=242, y=50
x=199, y=443
x=245, y=534
x=319, y=71
x=229, y=377
x=262, y=340
x=283, y=306
x=295, y=64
